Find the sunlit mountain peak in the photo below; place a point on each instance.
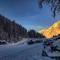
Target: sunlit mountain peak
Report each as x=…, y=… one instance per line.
x=57, y=24
x=53, y=30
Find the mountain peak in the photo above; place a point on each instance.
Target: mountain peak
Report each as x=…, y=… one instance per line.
x=57, y=24
x=53, y=30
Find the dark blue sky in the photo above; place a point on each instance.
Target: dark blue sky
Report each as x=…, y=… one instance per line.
x=27, y=13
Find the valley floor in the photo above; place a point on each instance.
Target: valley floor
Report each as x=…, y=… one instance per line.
x=22, y=51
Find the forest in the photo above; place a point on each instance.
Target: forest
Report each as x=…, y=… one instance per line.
x=10, y=31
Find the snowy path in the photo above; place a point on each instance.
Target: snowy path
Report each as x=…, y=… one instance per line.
x=24, y=52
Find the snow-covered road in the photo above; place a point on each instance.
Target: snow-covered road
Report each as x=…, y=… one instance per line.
x=22, y=52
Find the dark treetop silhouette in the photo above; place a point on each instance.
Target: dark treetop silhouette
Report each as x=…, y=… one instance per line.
x=53, y=4
x=10, y=31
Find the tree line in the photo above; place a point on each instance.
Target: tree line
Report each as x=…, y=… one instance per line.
x=10, y=31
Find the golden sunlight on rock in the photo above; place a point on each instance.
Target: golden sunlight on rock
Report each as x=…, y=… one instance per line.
x=54, y=30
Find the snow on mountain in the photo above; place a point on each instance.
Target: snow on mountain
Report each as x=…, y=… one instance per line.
x=53, y=30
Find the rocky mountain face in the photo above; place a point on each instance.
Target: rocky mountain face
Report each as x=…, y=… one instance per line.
x=53, y=30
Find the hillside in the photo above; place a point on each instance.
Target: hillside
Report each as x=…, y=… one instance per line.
x=10, y=31
x=53, y=30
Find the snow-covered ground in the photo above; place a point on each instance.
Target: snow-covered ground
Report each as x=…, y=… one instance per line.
x=55, y=53
x=22, y=51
